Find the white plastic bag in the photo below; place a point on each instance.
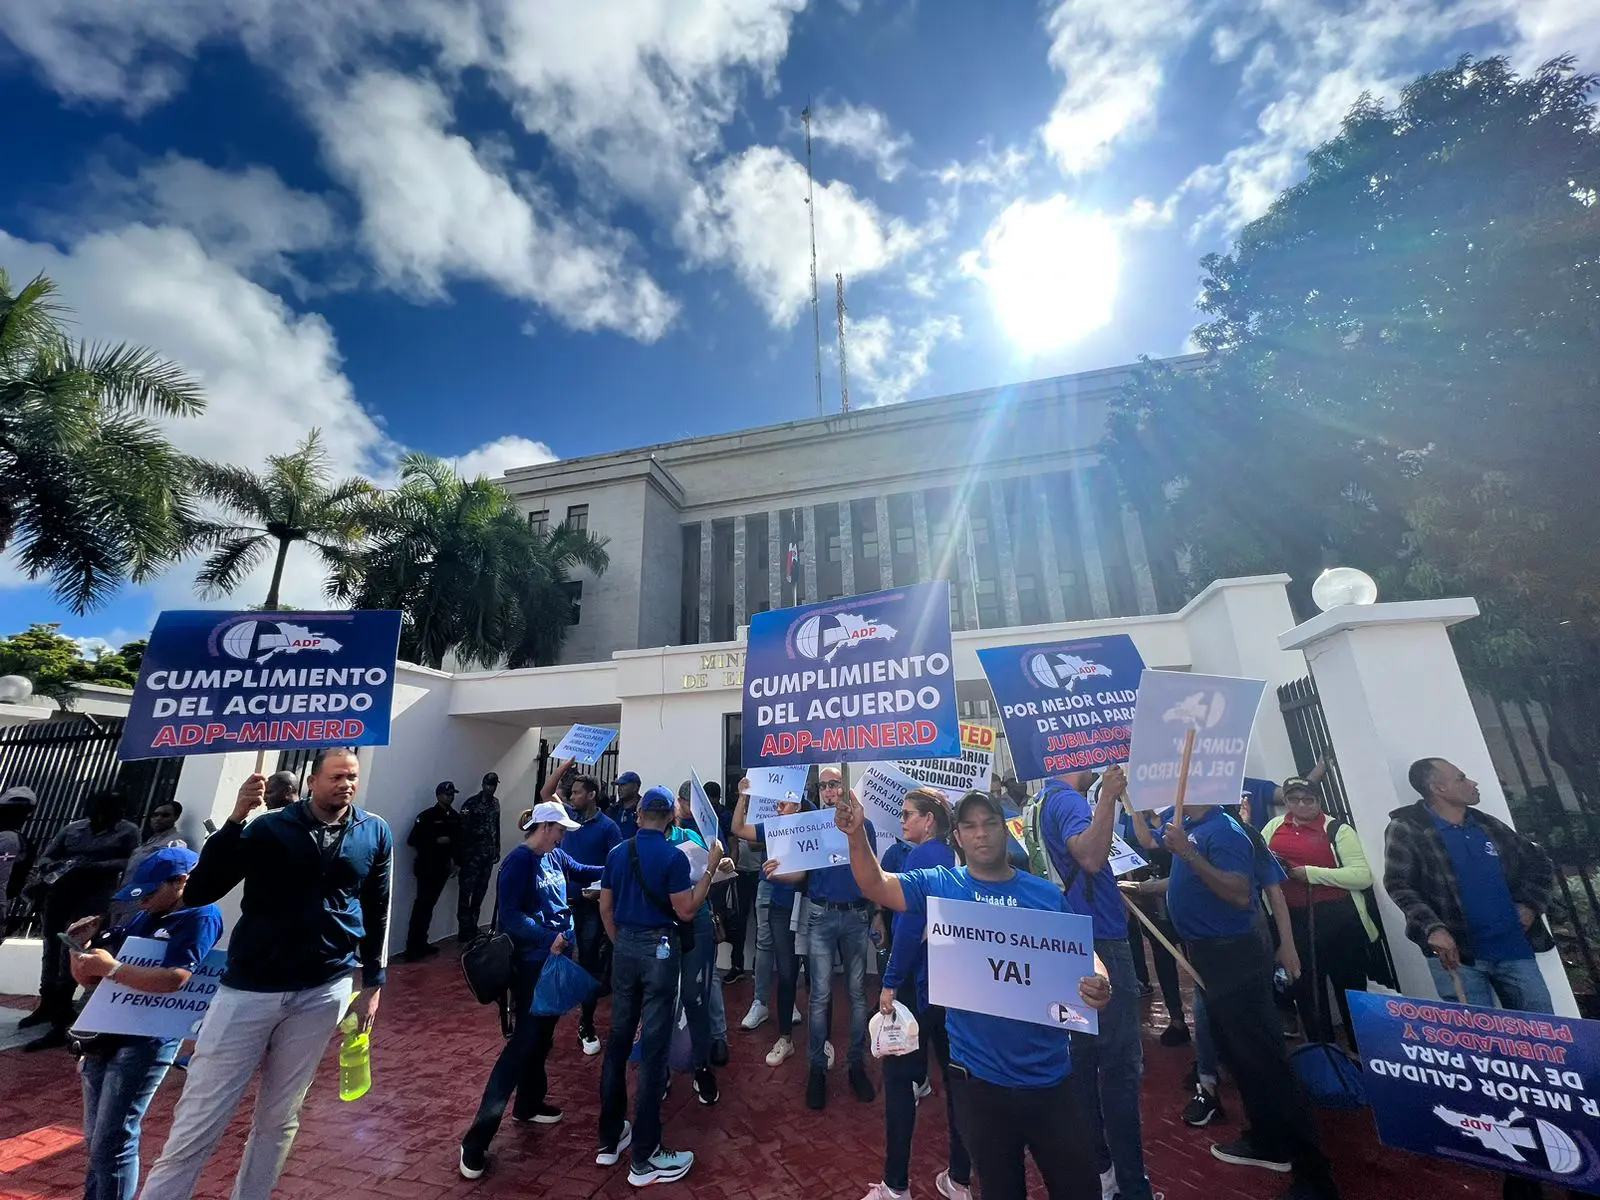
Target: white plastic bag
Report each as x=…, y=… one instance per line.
x=894, y=1034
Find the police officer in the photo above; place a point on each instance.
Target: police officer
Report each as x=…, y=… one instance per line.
x=436, y=837
x=477, y=854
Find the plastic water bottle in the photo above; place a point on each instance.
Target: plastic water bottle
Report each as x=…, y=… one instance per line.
x=664, y=948
x=355, y=1061
x=1280, y=981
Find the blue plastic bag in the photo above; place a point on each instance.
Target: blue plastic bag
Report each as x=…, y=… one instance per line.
x=563, y=985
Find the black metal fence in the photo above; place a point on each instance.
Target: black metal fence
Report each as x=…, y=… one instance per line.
x=605, y=770
x=67, y=761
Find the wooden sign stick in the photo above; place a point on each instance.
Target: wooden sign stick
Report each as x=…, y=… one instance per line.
x=1183, y=779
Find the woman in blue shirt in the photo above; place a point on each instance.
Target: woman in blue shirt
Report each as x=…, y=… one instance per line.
x=534, y=912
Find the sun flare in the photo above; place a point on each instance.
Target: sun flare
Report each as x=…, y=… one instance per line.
x=1051, y=270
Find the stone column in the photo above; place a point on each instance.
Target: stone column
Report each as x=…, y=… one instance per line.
x=1144, y=582
x=1392, y=693
x=1055, y=603
x=885, y=544
x=706, y=572
x=1005, y=560
x=961, y=537
x=919, y=530
x=808, y=557
x=740, y=616
x=1089, y=536
x=777, y=549
x=847, y=549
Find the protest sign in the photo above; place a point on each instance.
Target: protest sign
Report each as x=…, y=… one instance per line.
x=584, y=743
x=1513, y=1092
x=117, y=1008
x=806, y=841
x=1219, y=708
x=770, y=786
x=1022, y=963
x=1124, y=858
x=699, y=859
x=705, y=815
x=955, y=777
x=1066, y=706
x=215, y=682
x=867, y=678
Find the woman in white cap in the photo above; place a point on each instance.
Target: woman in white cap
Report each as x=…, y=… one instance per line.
x=536, y=915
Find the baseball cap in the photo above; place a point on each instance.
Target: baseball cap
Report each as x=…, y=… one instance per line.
x=979, y=799
x=658, y=799
x=445, y=788
x=1296, y=783
x=491, y=777
x=547, y=811
x=628, y=777
x=165, y=864
x=19, y=795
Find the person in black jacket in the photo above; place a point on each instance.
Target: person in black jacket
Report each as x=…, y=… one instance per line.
x=436, y=837
x=315, y=907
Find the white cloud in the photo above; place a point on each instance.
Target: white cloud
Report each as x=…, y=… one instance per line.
x=886, y=361
x=752, y=215
x=862, y=131
x=991, y=168
x=494, y=459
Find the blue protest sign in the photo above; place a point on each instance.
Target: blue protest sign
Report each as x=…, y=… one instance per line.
x=215, y=682
x=1513, y=1092
x=117, y=1008
x=806, y=841
x=1219, y=708
x=584, y=743
x=864, y=679
x=1066, y=706
x=1022, y=963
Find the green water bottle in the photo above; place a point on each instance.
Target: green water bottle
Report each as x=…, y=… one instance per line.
x=355, y=1061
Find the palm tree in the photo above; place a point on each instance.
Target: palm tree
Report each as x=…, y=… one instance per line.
x=295, y=501
x=458, y=558
x=91, y=493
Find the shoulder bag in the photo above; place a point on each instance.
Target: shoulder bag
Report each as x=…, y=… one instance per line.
x=487, y=964
x=685, y=928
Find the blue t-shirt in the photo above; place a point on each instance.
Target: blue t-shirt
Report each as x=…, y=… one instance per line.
x=627, y=819
x=1198, y=912
x=592, y=840
x=894, y=858
x=665, y=869
x=837, y=885
x=782, y=893
x=1066, y=814
x=909, y=957
x=1261, y=793
x=997, y=1050
x=1486, y=902
x=190, y=934
x=532, y=892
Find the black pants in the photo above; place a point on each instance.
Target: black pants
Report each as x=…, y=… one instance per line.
x=1001, y=1125
x=471, y=887
x=519, y=1069
x=594, y=955
x=56, y=985
x=1341, y=960
x=739, y=901
x=901, y=1074
x=430, y=884
x=1244, y=1022
x=1166, y=965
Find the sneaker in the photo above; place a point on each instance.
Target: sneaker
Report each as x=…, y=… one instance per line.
x=756, y=1017
x=1241, y=1152
x=732, y=976
x=817, y=1089
x=1203, y=1109
x=950, y=1189
x=922, y=1091
x=782, y=1049
x=473, y=1168
x=1108, y=1184
x=664, y=1166
x=609, y=1156
x=1175, y=1034
x=719, y=1053
x=37, y=1017
x=827, y=1053
x=861, y=1085
x=705, y=1086
x=882, y=1191
x=545, y=1114
x=589, y=1042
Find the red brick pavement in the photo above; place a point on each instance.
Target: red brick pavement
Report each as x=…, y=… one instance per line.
x=433, y=1052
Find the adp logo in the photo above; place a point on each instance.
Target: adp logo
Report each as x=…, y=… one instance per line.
x=1067, y=1017
x=257, y=641
x=1056, y=670
x=812, y=641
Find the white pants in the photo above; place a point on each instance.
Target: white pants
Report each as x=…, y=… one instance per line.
x=283, y=1033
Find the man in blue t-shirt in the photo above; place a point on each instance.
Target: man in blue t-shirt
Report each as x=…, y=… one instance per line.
x=1011, y=1080
x=1213, y=895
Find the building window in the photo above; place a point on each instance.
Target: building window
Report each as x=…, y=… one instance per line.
x=988, y=604
x=539, y=521
x=578, y=518
x=869, y=544
x=905, y=541
x=574, y=590
x=1028, y=608
x=835, y=548
x=980, y=530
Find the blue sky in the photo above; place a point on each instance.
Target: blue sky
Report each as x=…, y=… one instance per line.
x=506, y=231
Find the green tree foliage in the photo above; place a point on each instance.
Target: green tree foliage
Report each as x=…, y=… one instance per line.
x=1401, y=366
x=53, y=663
x=460, y=561
x=91, y=493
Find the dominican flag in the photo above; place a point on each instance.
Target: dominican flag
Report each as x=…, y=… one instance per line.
x=791, y=563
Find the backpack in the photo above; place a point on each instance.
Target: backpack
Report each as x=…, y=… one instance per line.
x=1378, y=968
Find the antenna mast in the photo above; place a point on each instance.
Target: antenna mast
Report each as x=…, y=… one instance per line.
x=844, y=374
x=811, y=212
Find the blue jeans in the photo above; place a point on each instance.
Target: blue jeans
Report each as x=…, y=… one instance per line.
x=1517, y=983
x=117, y=1089
x=763, y=943
x=1109, y=1066
x=644, y=989
x=847, y=932
x=1205, y=1046
x=699, y=967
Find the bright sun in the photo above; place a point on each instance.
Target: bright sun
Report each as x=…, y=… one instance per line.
x=1051, y=271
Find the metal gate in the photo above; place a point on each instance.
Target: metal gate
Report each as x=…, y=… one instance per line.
x=65, y=762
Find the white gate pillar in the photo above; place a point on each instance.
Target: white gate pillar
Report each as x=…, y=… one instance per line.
x=1392, y=693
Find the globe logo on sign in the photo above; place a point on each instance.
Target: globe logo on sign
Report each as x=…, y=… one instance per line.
x=812, y=641
x=1197, y=711
x=1065, y=1014
x=1057, y=670
x=259, y=640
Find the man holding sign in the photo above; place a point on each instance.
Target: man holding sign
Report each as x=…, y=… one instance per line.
x=1010, y=1078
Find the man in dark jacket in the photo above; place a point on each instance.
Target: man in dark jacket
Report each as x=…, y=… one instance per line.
x=478, y=855
x=436, y=837
x=1474, y=892
x=315, y=907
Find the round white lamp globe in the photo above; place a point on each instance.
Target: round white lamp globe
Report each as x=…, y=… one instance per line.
x=15, y=689
x=1338, y=586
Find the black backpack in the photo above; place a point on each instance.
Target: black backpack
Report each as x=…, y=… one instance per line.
x=487, y=964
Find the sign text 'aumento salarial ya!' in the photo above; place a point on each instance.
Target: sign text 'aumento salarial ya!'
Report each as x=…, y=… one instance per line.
x=215, y=682
x=862, y=679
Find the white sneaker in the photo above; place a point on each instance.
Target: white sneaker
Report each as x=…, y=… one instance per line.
x=590, y=1044
x=1108, y=1184
x=609, y=1156
x=922, y=1091
x=664, y=1166
x=827, y=1052
x=781, y=1050
x=950, y=1189
x=756, y=1017
x=471, y=1172
x=882, y=1191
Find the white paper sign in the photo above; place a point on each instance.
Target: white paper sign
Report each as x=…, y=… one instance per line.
x=117, y=1008
x=705, y=814
x=771, y=786
x=882, y=793
x=1124, y=858
x=584, y=743
x=806, y=841
x=955, y=777
x=1220, y=709
x=1022, y=963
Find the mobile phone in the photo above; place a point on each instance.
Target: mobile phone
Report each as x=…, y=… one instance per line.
x=211, y=826
x=72, y=943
